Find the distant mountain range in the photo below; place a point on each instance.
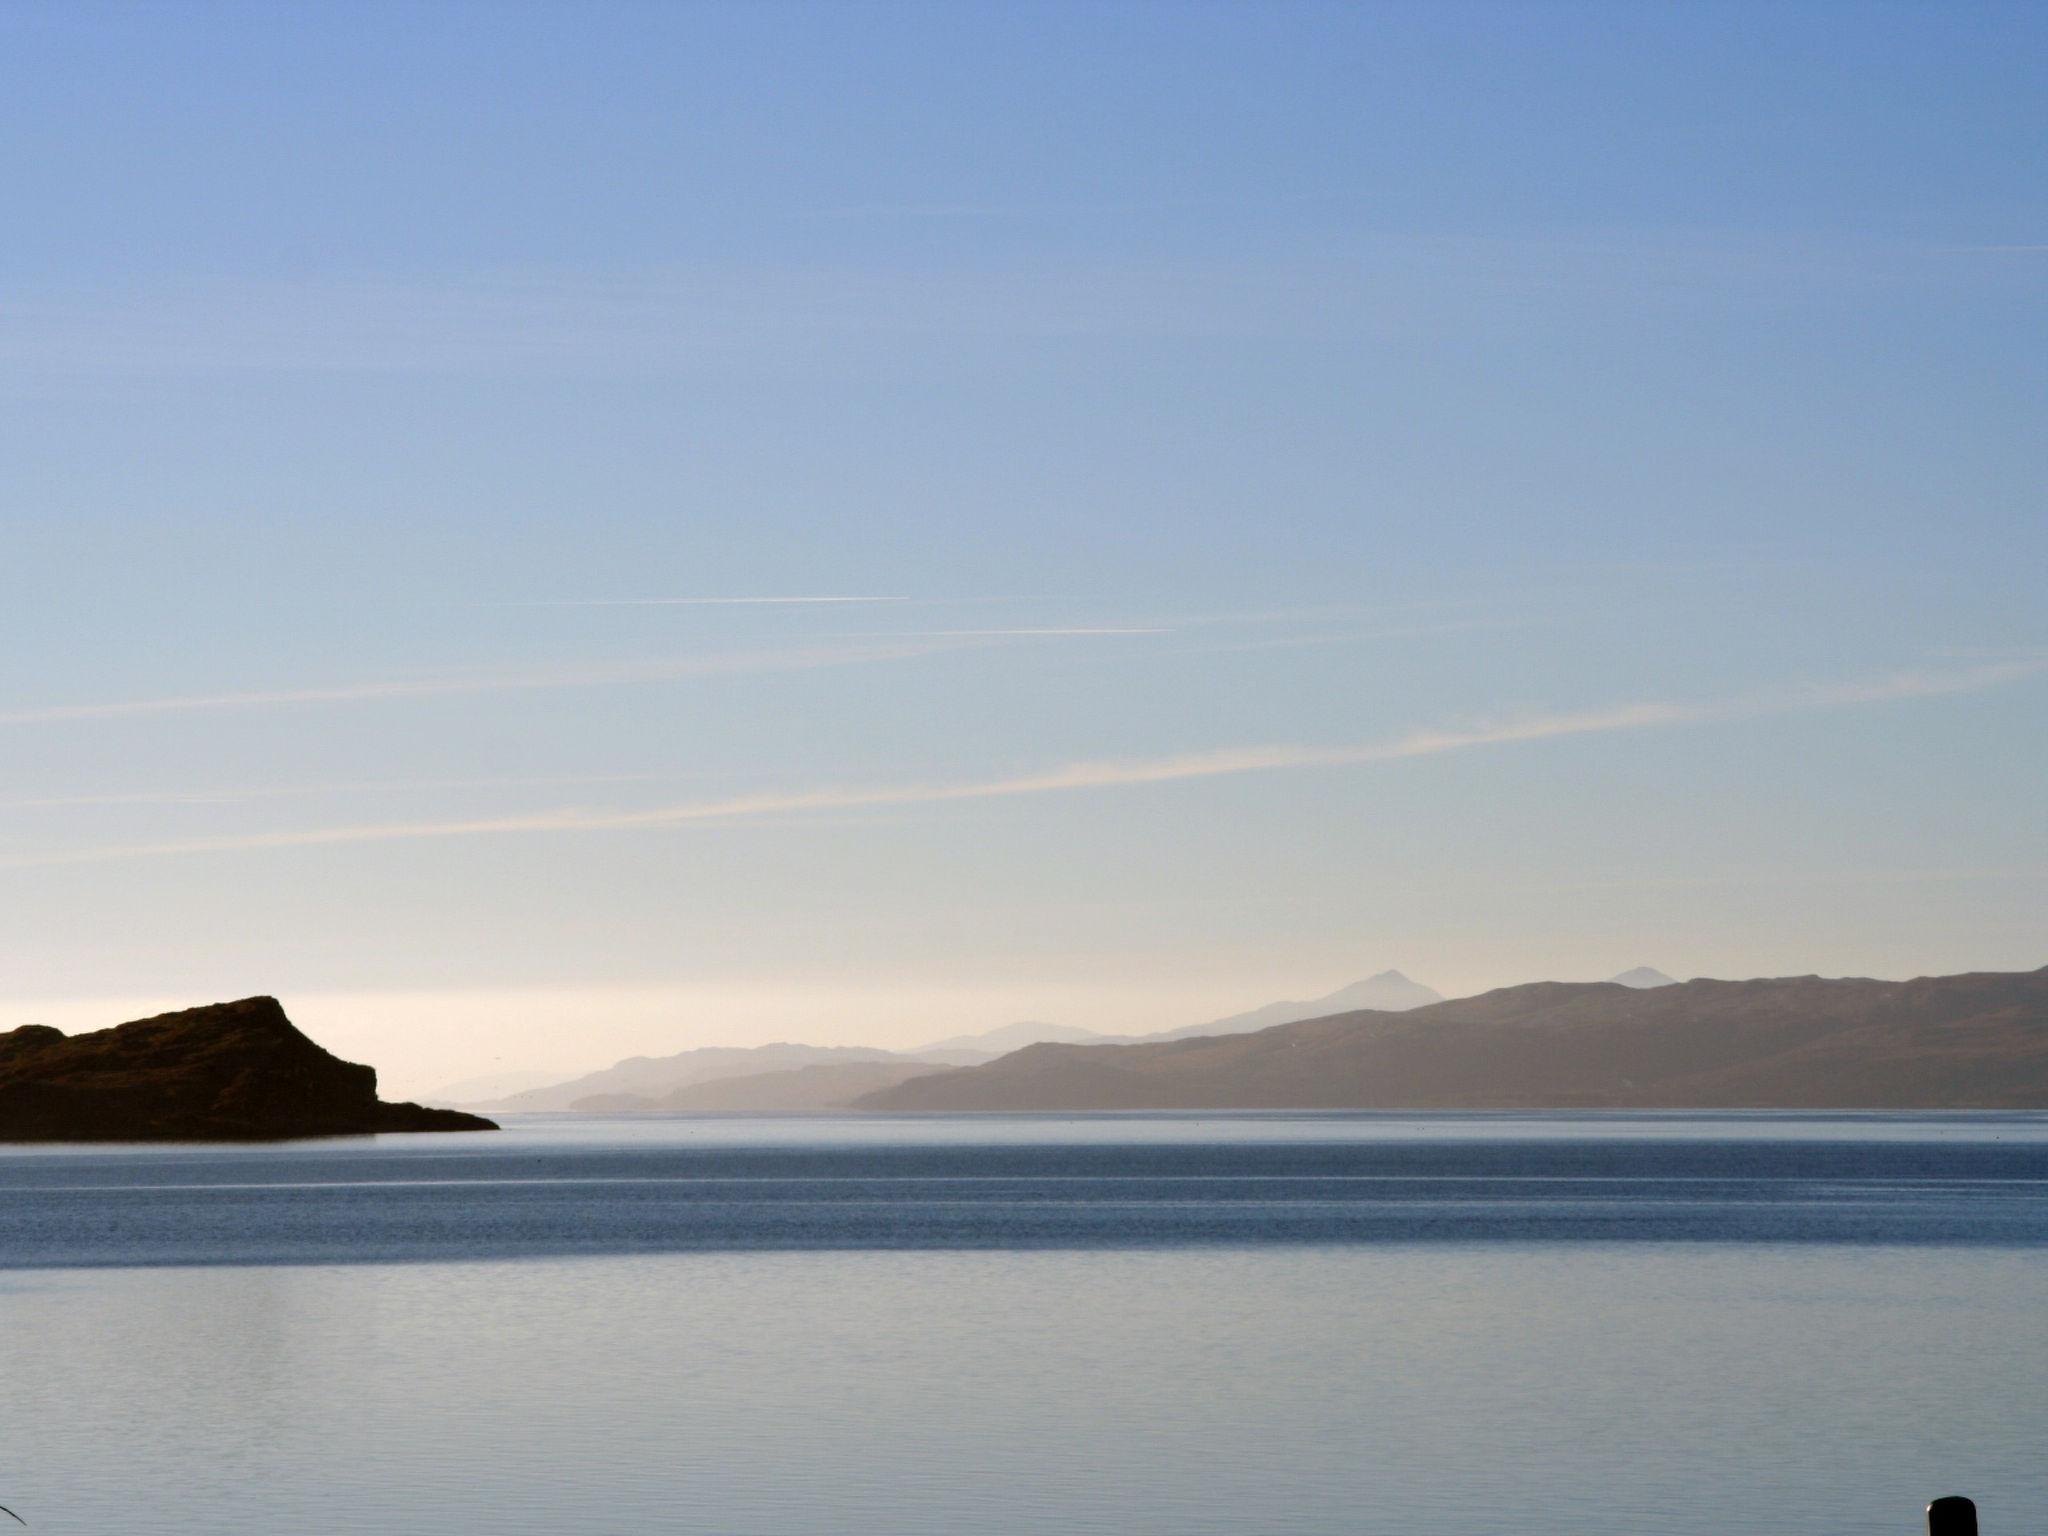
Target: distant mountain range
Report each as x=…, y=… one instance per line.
x=830, y=1086
x=1641, y=1040
x=1971, y=1041
x=809, y=1077
x=642, y=1083
x=1388, y=992
x=655, y=1077
x=1000, y=1041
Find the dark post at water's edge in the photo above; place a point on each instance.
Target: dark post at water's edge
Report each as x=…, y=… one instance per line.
x=1952, y=1516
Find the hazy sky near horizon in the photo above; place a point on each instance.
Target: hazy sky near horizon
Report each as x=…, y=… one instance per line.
x=543, y=531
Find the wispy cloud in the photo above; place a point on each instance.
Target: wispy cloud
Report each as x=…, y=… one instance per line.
x=692, y=602
x=1913, y=683
x=725, y=665
x=1225, y=762
x=242, y=795
x=870, y=646
x=1038, y=632
x=1994, y=874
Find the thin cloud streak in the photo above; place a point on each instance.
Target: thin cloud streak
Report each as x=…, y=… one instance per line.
x=1740, y=881
x=888, y=645
x=1109, y=775
x=735, y=664
x=1075, y=631
x=244, y=795
x=693, y=602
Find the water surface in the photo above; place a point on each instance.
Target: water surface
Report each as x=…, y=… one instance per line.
x=1154, y=1323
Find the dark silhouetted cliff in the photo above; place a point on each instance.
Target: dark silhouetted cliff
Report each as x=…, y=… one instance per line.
x=227, y=1072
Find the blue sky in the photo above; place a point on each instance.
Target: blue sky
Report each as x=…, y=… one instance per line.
x=1498, y=491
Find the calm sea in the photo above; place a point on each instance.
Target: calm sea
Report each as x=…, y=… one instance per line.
x=1733, y=1324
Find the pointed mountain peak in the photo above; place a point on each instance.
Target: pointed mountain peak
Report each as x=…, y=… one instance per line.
x=1388, y=990
x=1644, y=976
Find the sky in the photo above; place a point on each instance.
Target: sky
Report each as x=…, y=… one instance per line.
x=536, y=533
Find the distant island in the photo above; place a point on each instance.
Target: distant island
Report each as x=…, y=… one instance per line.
x=1975, y=1041
x=237, y=1071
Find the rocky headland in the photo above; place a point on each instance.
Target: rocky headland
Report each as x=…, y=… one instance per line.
x=237, y=1071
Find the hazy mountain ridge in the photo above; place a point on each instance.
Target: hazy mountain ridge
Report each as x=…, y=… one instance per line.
x=1388, y=992
x=1005, y=1038
x=237, y=1071
x=1977, y=1040
x=818, y=1087
x=654, y=1077
x=641, y=1083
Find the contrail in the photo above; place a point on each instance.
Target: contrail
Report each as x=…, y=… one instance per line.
x=1219, y=763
